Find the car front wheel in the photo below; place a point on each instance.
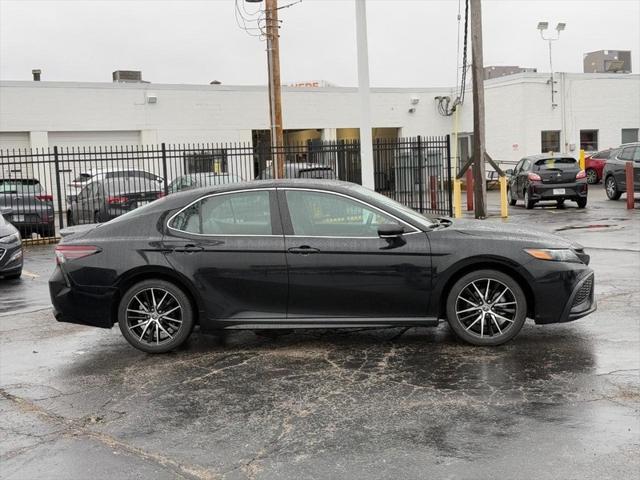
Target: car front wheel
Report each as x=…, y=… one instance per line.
x=155, y=316
x=512, y=198
x=486, y=307
x=612, y=188
x=592, y=176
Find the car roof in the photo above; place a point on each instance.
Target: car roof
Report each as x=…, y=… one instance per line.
x=630, y=144
x=546, y=156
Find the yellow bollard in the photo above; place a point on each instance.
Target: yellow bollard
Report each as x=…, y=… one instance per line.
x=582, y=164
x=457, y=198
x=504, y=208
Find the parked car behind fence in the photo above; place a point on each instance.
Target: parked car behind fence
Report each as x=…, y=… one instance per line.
x=614, y=170
x=31, y=206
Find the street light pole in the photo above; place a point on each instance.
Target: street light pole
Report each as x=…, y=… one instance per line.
x=275, y=93
x=542, y=26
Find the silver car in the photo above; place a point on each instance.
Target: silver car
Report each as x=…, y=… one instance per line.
x=31, y=206
x=10, y=247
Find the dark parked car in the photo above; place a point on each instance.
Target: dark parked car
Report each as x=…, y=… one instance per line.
x=614, y=170
x=10, y=247
x=204, y=179
x=302, y=170
x=309, y=254
x=31, y=207
x=544, y=177
x=109, y=197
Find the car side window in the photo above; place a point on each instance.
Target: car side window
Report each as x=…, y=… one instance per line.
x=636, y=155
x=320, y=214
x=627, y=153
x=519, y=166
x=242, y=213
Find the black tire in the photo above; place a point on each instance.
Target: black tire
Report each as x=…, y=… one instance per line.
x=49, y=231
x=592, y=176
x=611, y=187
x=70, y=222
x=582, y=202
x=528, y=203
x=512, y=199
x=516, y=295
x=181, y=332
x=97, y=218
x=560, y=203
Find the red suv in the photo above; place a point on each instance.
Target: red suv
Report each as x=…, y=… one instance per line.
x=594, y=164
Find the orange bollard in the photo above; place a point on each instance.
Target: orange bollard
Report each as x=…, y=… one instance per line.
x=469, y=190
x=628, y=173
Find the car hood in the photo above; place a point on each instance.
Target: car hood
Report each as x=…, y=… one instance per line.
x=492, y=231
x=6, y=228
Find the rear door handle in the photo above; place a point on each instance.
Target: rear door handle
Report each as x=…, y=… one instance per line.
x=303, y=250
x=189, y=248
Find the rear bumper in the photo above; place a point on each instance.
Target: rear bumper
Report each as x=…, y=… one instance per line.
x=542, y=191
x=73, y=303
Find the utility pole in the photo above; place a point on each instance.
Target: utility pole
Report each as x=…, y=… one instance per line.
x=366, y=140
x=275, y=94
x=479, y=146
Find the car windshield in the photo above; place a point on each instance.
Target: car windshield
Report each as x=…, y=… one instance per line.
x=565, y=163
x=422, y=220
x=20, y=186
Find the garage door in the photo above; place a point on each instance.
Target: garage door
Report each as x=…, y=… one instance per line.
x=11, y=140
x=98, y=139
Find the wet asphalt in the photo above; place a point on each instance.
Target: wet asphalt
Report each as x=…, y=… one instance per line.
x=560, y=401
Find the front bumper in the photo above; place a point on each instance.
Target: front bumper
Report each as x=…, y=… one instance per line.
x=565, y=296
x=545, y=191
x=10, y=259
x=84, y=305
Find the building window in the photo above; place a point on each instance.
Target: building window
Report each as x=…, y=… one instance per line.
x=550, y=141
x=629, y=135
x=589, y=140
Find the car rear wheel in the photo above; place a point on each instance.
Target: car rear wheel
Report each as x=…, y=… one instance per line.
x=512, y=198
x=155, y=316
x=70, y=222
x=612, y=188
x=486, y=307
x=528, y=203
x=582, y=202
x=592, y=176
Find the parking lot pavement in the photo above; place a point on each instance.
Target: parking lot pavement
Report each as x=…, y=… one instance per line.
x=560, y=401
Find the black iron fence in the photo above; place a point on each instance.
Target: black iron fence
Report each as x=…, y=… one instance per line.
x=42, y=191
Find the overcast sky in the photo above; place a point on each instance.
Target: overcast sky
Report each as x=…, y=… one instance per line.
x=412, y=43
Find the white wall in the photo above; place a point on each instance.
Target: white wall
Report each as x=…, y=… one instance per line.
x=518, y=108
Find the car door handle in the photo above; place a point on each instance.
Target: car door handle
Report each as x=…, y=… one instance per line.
x=303, y=250
x=189, y=248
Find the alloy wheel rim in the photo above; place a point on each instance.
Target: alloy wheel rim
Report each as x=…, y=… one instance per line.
x=611, y=190
x=154, y=316
x=486, y=308
x=591, y=176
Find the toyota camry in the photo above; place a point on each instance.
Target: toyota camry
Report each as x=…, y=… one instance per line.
x=283, y=254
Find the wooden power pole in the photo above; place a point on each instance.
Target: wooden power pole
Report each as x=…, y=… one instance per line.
x=479, y=146
x=275, y=94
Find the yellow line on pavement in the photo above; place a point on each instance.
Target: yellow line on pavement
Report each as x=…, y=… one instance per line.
x=26, y=273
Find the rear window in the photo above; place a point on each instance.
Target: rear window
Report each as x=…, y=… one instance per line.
x=131, y=185
x=556, y=164
x=20, y=186
x=317, y=173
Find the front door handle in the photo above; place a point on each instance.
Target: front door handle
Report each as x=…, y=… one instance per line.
x=189, y=248
x=303, y=250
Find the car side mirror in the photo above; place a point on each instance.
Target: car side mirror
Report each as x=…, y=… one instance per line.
x=390, y=231
x=509, y=171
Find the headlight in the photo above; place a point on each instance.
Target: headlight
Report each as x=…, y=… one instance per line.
x=14, y=237
x=554, y=255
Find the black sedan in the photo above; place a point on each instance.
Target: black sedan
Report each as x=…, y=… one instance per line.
x=547, y=177
x=311, y=253
x=10, y=247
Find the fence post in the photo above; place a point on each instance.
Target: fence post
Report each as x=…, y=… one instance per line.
x=58, y=189
x=449, y=186
x=164, y=169
x=420, y=176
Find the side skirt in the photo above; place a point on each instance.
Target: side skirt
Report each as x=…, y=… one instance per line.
x=256, y=324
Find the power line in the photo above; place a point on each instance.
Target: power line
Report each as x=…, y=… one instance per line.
x=446, y=107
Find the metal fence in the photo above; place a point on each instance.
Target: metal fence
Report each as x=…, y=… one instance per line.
x=46, y=190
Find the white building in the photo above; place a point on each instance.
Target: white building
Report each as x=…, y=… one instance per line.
x=594, y=111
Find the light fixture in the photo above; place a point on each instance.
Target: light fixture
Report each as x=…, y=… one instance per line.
x=543, y=25
x=151, y=98
x=561, y=26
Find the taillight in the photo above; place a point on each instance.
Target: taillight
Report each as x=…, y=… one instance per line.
x=534, y=177
x=581, y=174
x=117, y=200
x=45, y=198
x=64, y=253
